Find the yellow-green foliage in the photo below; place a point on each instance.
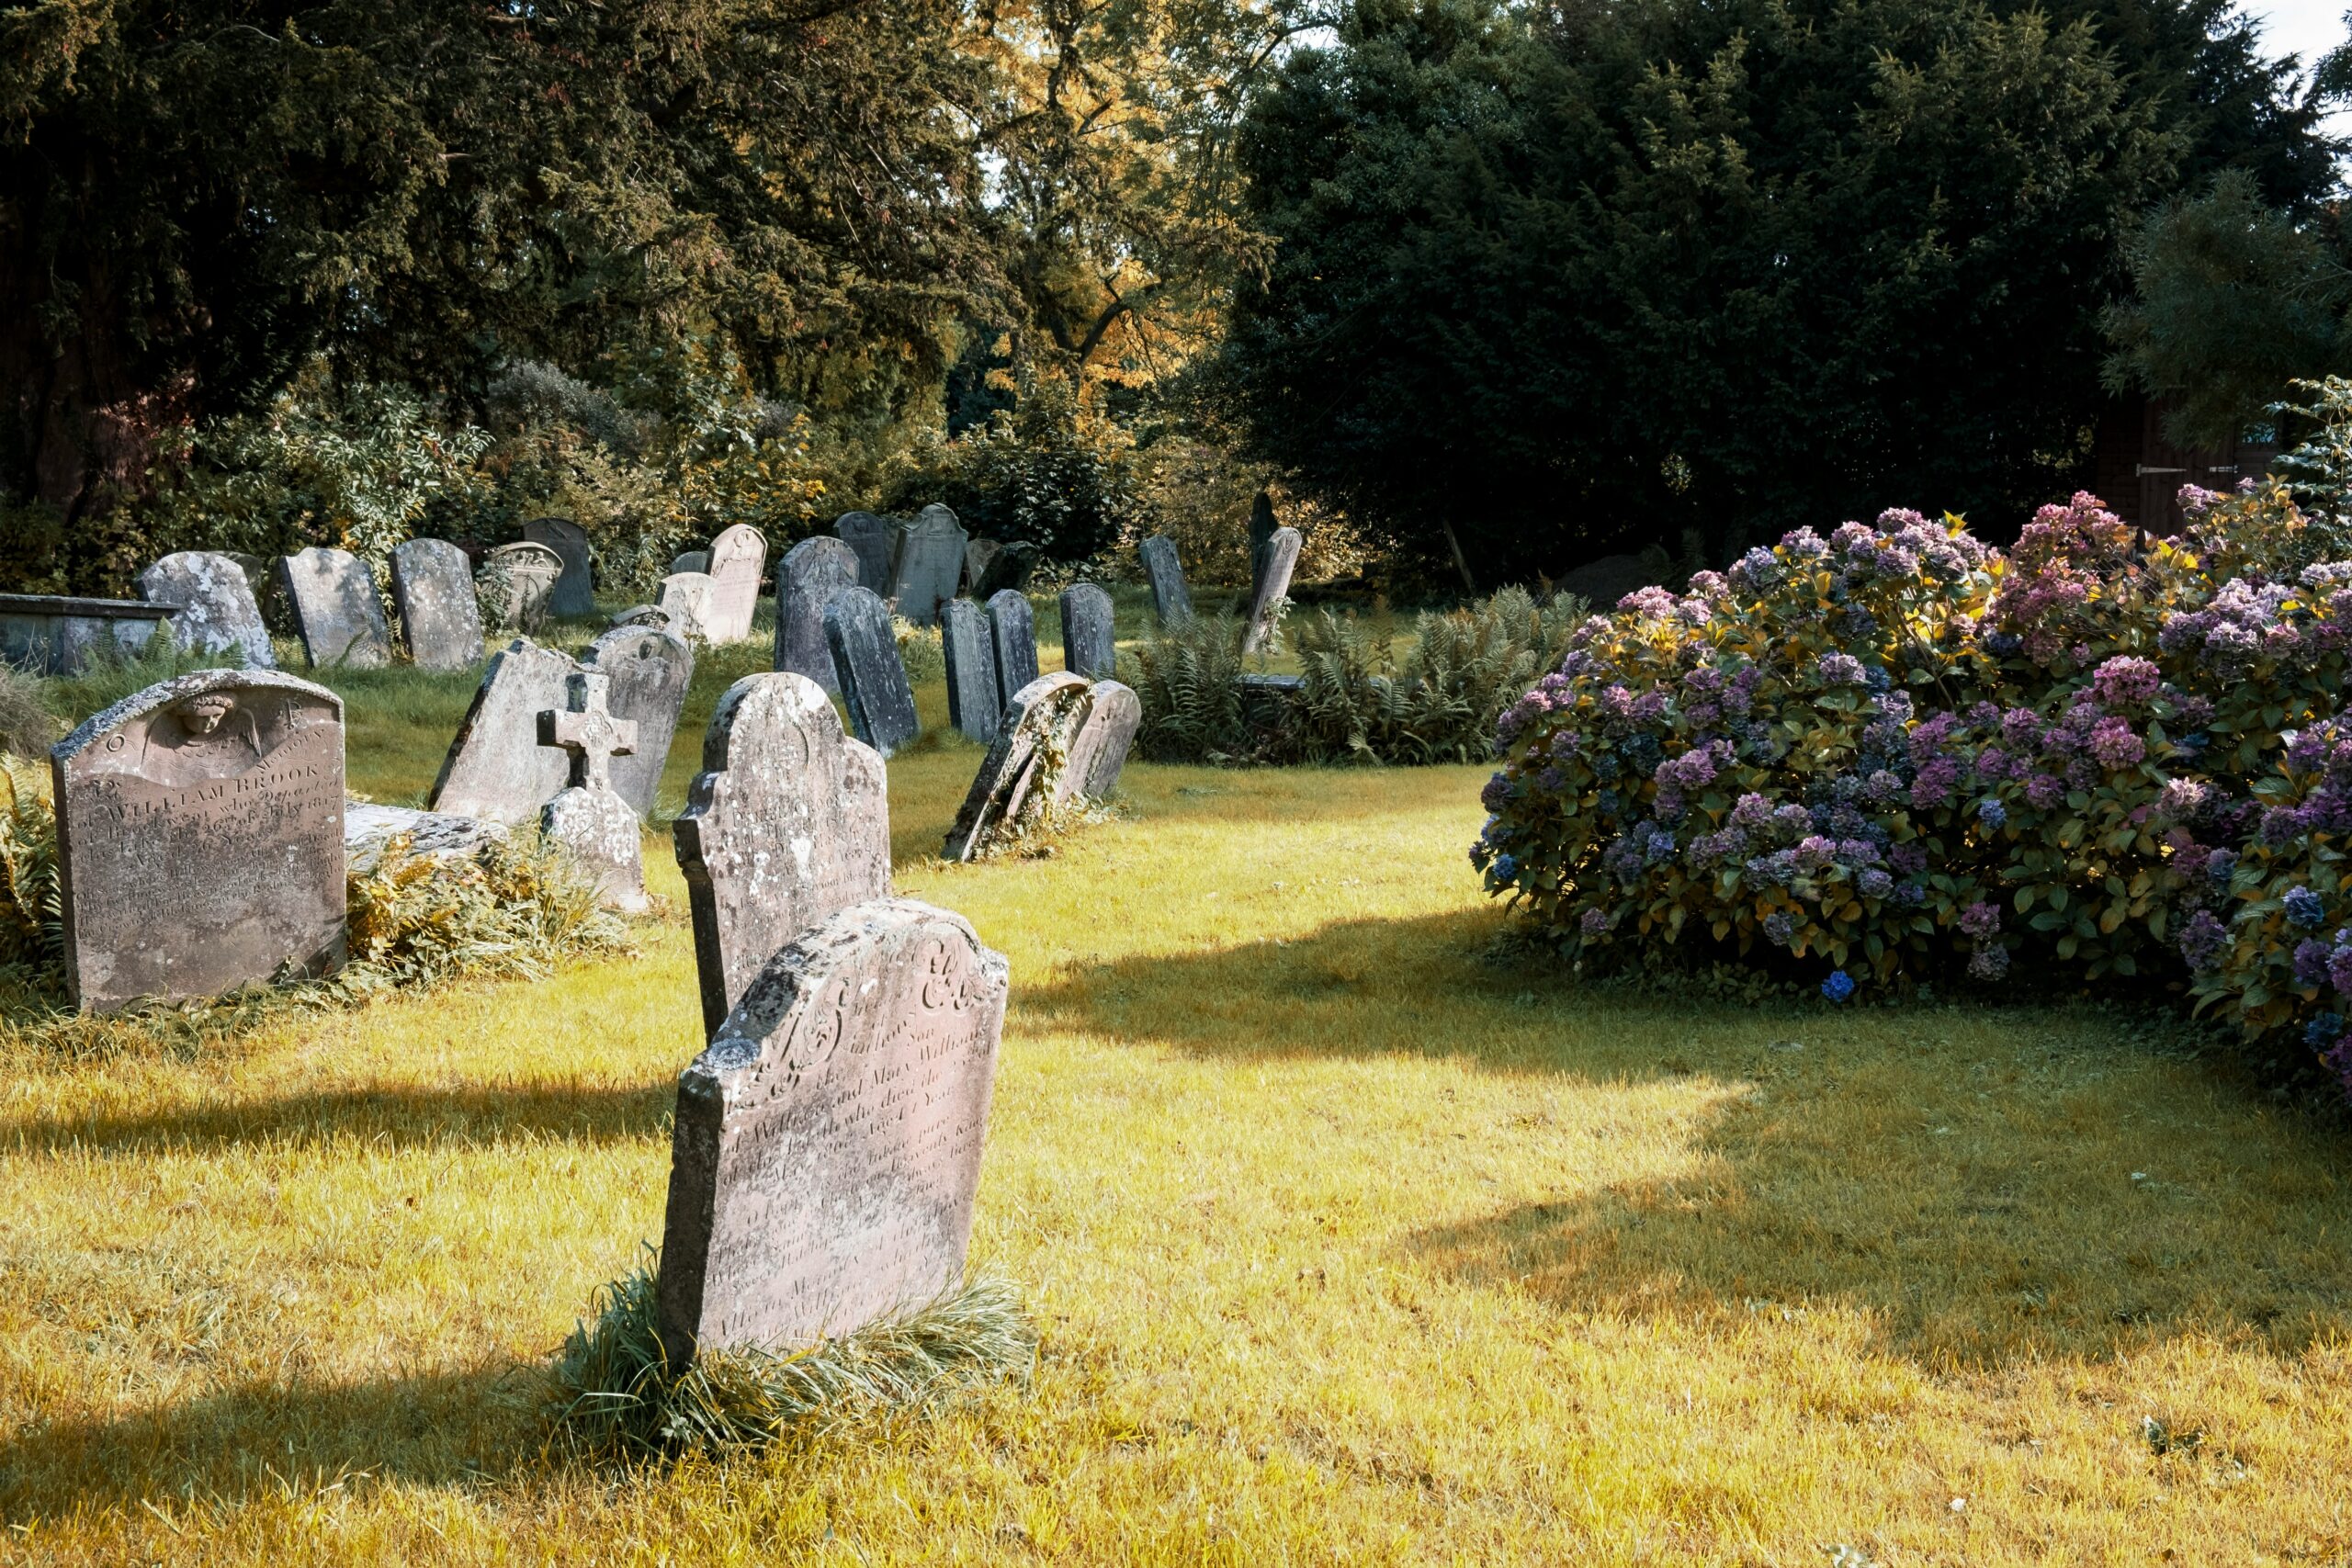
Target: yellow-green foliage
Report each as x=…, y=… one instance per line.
x=1438, y=704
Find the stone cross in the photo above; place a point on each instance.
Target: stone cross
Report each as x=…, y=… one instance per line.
x=587, y=729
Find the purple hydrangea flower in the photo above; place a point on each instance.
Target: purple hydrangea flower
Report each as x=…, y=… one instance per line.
x=1980, y=918
x=2304, y=907
x=2202, y=937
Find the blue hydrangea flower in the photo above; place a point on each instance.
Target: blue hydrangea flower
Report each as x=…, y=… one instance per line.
x=1838, y=986
x=2305, y=908
x=1505, y=868
x=2322, y=1029
x=1992, y=814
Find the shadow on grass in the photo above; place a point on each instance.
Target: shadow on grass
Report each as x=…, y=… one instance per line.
x=406, y=1117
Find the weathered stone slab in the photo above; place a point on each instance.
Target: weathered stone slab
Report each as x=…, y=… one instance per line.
x=788, y=823
x=931, y=564
x=974, y=703
x=1008, y=571
x=592, y=822
x=873, y=677
x=691, y=560
x=368, y=828
x=650, y=670
x=1099, y=752
x=1023, y=767
x=496, y=769
x=827, y=1146
x=875, y=540
x=574, y=592
x=433, y=589
x=1012, y=626
x=1090, y=641
x=213, y=608
x=1277, y=561
x=811, y=573
x=336, y=613
x=518, y=581
x=738, y=557
x=685, y=598
x=200, y=836
x=1171, y=601
x=977, y=553
x=56, y=635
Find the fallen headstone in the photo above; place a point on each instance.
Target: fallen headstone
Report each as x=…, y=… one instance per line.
x=369, y=829
x=974, y=703
x=875, y=540
x=826, y=1149
x=873, y=677
x=738, y=559
x=931, y=564
x=496, y=769
x=1008, y=570
x=649, y=668
x=574, y=592
x=811, y=573
x=200, y=838
x=1090, y=642
x=788, y=822
x=433, y=591
x=685, y=599
x=1099, y=752
x=1014, y=628
x=213, y=608
x=1278, y=561
x=1023, y=768
x=518, y=582
x=336, y=613
x=1170, y=600
x=587, y=817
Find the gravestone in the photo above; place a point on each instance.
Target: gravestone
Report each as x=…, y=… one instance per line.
x=1090, y=644
x=811, y=573
x=873, y=677
x=738, y=558
x=213, y=608
x=826, y=1149
x=788, y=822
x=1009, y=568
x=1170, y=600
x=574, y=592
x=587, y=817
x=52, y=634
x=974, y=703
x=496, y=769
x=977, y=553
x=1099, y=753
x=519, y=583
x=692, y=560
x=1262, y=523
x=200, y=828
x=336, y=613
x=931, y=564
x=875, y=540
x=434, y=592
x=1023, y=769
x=685, y=598
x=1280, y=557
x=269, y=597
x=369, y=829
x=649, y=668
x=1012, y=627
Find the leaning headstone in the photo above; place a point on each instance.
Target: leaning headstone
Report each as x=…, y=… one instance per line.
x=977, y=553
x=1099, y=753
x=200, y=838
x=574, y=592
x=1279, y=560
x=336, y=613
x=587, y=817
x=214, y=611
x=440, y=616
x=1013, y=629
x=685, y=598
x=650, y=668
x=495, y=767
x=931, y=564
x=811, y=573
x=788, y=822
x=1090, y=644
x=738, y=559
x=875, y=540
x=974, y=703
x=519, y=581
x=1023, y=769
x=873, y=677
x=692, y=560
x=826, y=1149
x=1008, y=569
x=1170, y=600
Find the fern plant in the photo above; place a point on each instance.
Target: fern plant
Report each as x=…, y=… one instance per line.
x=1189, y=679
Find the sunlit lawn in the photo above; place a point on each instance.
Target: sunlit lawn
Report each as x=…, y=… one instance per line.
x=1348, y=1243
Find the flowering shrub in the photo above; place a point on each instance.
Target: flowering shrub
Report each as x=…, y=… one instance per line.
x=1897, y=754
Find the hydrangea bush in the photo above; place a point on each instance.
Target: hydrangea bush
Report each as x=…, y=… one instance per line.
x=1896, y=755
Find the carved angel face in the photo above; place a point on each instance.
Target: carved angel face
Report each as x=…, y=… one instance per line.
x=202, y=715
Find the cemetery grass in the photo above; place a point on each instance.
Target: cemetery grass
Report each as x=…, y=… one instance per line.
x=1348, y=1240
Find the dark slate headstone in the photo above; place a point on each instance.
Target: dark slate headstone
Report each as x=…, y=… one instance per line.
x=496, y=769
x=1009, y=570
x=739, y=558
x=650, y=670
x=685, y=598
x=811, y=573
x=973, y=703
x=873, y=677
x=336, y=613
x=1013, y=627
x=433, y=591
x=200, y=828
x=692, y=560
x=931, y=564
x=977, y=553
x=1279, y=560
x=827, y=1145
x=587, y=817
x=1170, y=600
x=574, y=592
x=644, y=615
x=788, y=823
x=1099, y=754
x=519, y=581
x=214, y=611
x=1262, y=523
x=1090, y=642
x=875, y=540
x=1023, y=769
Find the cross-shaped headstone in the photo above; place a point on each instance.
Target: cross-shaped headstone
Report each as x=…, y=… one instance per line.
x=585, y=728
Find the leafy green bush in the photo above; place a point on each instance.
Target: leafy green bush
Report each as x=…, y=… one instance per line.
x=1049, y=470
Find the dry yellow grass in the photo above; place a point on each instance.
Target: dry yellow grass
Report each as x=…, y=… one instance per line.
x=1348, y=1245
